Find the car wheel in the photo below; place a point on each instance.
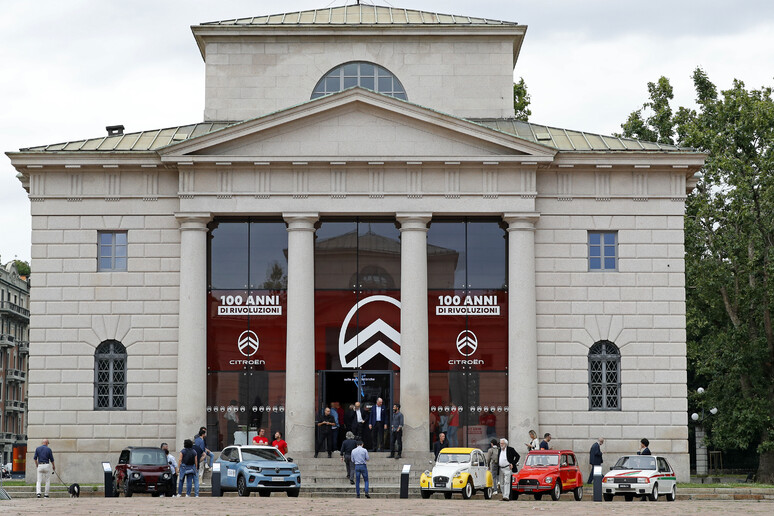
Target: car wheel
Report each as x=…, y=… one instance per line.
x=578, y=493
x=538, y=496
x=653, y=496
x=467, y=491
x=556, y=492
x=672, y=495
x=155, y=495
x=426, y=494
x=607, y=497
x=447, y=495
x=514, y=495
x=264, y=494
x=293, y=493
x=127, y=489
x=487, y=493
x=242, y=486
x=628, y=497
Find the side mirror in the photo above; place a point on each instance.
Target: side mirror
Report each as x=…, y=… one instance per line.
x=290, y=459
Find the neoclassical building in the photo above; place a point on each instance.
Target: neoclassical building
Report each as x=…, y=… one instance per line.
x=358, y=216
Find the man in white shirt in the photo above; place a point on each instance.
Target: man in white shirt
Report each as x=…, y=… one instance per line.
x=172, y=461
x=359, y=420
x=506, y=461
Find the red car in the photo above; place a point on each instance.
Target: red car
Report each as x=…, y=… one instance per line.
x=548, y=471
x=143, y=470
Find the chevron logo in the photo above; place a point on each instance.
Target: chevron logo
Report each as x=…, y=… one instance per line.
x=248, y=343
x=378, y=327
x=467, y=343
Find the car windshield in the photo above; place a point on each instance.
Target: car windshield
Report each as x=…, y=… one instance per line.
x=542, y=460
x=261, y=454
x=453, y=458
x=148, y=457
x=637, y=462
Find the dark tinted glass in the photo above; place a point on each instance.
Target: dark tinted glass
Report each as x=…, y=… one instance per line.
x=486, y=255
x=229, y=255
x=378, y=255
x=446, y=255
x=335, y=255
x=268, y=255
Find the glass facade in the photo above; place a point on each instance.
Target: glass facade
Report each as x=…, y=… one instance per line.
x=246, y=329
x=468, y=330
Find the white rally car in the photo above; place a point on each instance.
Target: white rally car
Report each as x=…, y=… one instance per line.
x=640, y=476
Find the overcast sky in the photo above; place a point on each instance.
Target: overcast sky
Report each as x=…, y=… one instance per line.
x=69, y=68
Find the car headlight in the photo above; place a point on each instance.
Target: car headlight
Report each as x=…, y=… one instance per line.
x=609, y=480
x=548, y=480
x=165, y=476
x=257, y=469
x=427, y=473
x=642, y=480
x=296, y=470
x=135, y=475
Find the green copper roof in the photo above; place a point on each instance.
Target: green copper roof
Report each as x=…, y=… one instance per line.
x=361, y=15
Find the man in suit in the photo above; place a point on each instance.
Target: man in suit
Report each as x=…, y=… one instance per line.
x=358, y=418
x=506, y=460
x=378, y=424
x=440, y=444
x=644, y=450
x=595, y=457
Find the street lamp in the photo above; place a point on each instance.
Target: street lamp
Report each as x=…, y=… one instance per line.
x=701, y=465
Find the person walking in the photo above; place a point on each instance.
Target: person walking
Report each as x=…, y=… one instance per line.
x=533, y=443
x=189, y=465
x=324, y=433
x=595, y=457
x=507, y=459
x=347, y=447
x=439, y=445
x=44, y=462
x=172, y=467
x=208, y=460
x=335, y=428
x=378, y=424
x=544, y=443
x=201, y=453
x=396, y=431
x=491, y=456
x=360, y=458
x=280, y=443
x=644, y=450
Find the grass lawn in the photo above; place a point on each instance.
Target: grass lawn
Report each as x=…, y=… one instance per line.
x=741, y=485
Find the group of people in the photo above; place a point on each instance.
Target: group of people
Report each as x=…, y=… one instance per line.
x=191, y=463
x=369, y=426
x=278, y=441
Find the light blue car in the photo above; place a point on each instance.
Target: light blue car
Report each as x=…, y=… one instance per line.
x=264, y=469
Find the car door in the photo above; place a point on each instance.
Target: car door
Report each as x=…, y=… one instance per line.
x=228, y=467
x=667, y=480
x=120, y=473
x=477, y=465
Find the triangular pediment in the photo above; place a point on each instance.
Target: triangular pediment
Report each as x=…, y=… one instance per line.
x=357, y=125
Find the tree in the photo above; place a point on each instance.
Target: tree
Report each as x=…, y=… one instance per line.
x=276, y=279
x=729, y=245
x=521, y=100
x=22, y=267
x=659, y=124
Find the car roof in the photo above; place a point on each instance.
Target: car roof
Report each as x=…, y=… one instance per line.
x=136, y=448
x=458, y=450
x=549, y=452
x=253, y=446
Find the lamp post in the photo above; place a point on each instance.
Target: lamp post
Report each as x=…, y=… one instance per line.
x=701, y=448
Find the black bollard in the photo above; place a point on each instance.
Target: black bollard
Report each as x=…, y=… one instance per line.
x=108, y=477
x=597, y=483
x=215, y=480
x=404, y=481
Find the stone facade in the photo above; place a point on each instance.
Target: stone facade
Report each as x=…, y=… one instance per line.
x=357, y=153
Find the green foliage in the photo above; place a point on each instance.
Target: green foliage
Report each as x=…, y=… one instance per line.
x=729, y=246
x=276, y=278
x=521, y=101
x=22, y=267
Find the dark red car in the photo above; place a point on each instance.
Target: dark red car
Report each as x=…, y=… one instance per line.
x=143, y=470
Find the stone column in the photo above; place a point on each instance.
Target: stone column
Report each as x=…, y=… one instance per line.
x=701, y=452
x=192, y=326
x=299, y=368
x=522, y=326
x=414, y=363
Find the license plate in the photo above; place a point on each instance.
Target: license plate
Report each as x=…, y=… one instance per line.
x=527, y=488
x=625, y=485
x=440, y=484
x=277, y=479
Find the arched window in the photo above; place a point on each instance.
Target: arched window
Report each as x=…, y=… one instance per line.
x=110, y=376
x=358, y=73
x=604, y=376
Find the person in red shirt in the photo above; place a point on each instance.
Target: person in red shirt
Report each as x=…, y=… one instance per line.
x=280, y=443
x=261, y=438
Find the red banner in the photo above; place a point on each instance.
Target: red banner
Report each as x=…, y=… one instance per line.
x=246, y=330
x=357, y=330
x=468, y=329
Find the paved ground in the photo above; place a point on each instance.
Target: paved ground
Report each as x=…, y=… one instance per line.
x=279, y=505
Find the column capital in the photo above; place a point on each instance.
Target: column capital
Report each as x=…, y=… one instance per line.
x=521, y=221
x=196, y=221
x=413, y=221
x=301, y=221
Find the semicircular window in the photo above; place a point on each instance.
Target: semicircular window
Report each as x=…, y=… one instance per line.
x=363, y=74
